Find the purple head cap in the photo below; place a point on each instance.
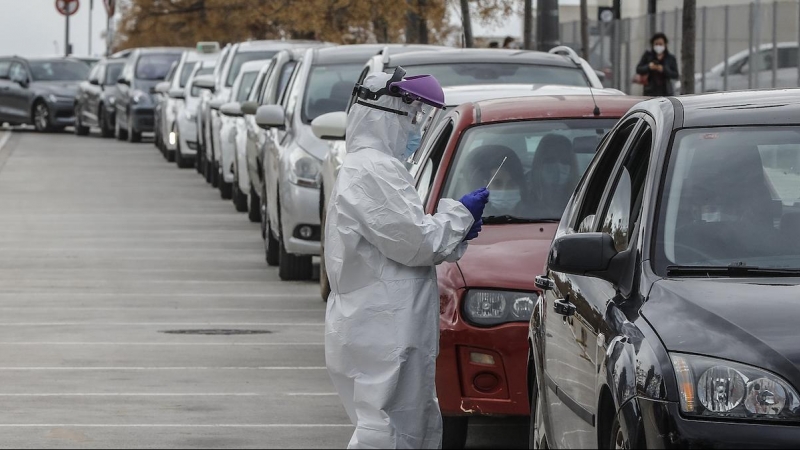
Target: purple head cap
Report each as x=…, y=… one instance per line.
x=424, y=88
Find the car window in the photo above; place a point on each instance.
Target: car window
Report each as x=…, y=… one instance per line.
x=96, y=73
x=286, y=75
x=329, y=89
x=186, y=72
x=425, y=182
x=787, y=58
x=544, y=160
x=361, y=79
x=731, y=196
x=449, y=74
x=113, y=72
x=260, y=88
x=246, y=84
x=625, y=206
x=17, y=72
x=4, y=68
x=591, y=192
x=155, y=66
x=243, y=57
x=59, y=70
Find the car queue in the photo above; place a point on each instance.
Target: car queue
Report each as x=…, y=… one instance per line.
x=629, y=249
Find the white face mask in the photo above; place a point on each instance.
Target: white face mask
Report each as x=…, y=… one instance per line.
x=660, y=49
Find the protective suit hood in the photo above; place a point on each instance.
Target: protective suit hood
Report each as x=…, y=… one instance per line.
x=371, y=128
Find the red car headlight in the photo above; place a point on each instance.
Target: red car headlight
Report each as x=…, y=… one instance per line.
x=485, y=308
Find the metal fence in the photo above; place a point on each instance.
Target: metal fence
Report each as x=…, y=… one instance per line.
x=729, y=39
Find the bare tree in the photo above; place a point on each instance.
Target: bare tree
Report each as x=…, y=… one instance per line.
x=688, y=46
x=467, y=24
x=527, y=39
x=585, y=29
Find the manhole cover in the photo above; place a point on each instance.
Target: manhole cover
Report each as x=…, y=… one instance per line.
x=217, y=332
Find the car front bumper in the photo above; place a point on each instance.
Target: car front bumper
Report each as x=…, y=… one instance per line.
x=664, y=427
x=187, y=136
x=143, y=118
x=62, y=113
x=299, y=207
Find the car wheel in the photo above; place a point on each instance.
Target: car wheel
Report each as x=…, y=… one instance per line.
x=119, y=133
x=270, y=243
x=207, y=170
x=239, y=198
x=198, y=160
x=105, y=130
x=324, y=283
x=294, y=267
x=619, y=440
x=215, y=174
x=80, y=129
x=254, y=209
x=536, y=434
x=181, y=161
x=41, y=117
x=133, y=135
x=454, y=432
x=225, y=188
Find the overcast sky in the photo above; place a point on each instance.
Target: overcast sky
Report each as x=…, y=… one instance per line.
x=35, y=28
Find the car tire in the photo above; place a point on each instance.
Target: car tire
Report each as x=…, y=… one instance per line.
x=41, y=117
x=454, y=432
x=181, y=161
x=225, y=189
x=215, y=174
x=133, y=135
x=617, y=437
x=239, y=198
x=207, y=172
x=198, y=160
x=119, y=133
x=80, y=129
x=105, y=130
x=271, y=250
x=536, y=437
x=324, y=283
x=254, y=208
x=294, y=267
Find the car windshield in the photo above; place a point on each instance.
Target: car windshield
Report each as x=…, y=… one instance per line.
x=240, y=59
x=449, y=74
x=112, y=73
x=186, y=72
x=544, y=160
x=155, y=66
x=59, y=70
x=731, y=198
x=248, y=79
x=329, y=89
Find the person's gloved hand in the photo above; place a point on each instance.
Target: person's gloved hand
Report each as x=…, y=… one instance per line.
x=473, y=232
x=475, y=202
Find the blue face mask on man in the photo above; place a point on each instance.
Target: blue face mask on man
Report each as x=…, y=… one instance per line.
x=414, y=139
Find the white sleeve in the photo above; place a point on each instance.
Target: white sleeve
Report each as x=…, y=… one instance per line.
x=386, y=210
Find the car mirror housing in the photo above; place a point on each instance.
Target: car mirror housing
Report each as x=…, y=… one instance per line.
x=589, y=254
x=249, y=108
x=232, y=109
x=177, y=94
x=124, y=81
x=94, y=81
x=163, y=87
x=330, y=126
x=271, y=116
x=204, y=83
x=216, y=104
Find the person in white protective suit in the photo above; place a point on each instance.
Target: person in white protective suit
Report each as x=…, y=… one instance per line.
x=382, y=325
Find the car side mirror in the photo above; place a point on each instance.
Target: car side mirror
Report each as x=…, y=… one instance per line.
x=124, y=81
x=204, y=83
x=249, y=108
x=232, y=109
x=163, y=87
x=177, y=94
x=271, y=116
x=330, y=126
x=588, y=254
x=216, y=104
x=94, y=82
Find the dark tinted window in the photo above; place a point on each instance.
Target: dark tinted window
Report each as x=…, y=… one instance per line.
x=787, y=58
x=186, y=72
x=4, y=66
x=113, y=72
x=155, y=66
x=59, y=70
x=248, y=79
x=498, y=73
x=329, y=89
x=240, y=59
x=286, y=75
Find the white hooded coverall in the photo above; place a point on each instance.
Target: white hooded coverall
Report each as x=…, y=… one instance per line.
x=382, y=325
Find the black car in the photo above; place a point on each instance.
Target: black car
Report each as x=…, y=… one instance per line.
x=135, y=106
x=669, y=314
x=40, y=91
x=94, y=104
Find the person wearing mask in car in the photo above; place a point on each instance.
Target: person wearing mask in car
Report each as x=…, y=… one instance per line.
x=381, y=248
x=660, y=68
x=553, y=176
x=508, y=194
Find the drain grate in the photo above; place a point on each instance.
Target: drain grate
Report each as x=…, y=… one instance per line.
x=217, y=332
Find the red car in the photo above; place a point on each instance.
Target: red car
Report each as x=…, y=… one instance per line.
x=544, y=144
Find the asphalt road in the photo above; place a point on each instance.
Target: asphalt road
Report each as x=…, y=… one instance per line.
x=111, y=260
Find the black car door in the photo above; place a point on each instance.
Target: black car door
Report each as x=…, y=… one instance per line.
x=5, y=88
x=573, y=312
x=19, y=93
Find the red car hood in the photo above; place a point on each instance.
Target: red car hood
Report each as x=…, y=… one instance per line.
x=507, y=256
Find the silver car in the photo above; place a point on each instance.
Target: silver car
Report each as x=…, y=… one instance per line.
x=740, y=68
x=322, y=83
x=187, y=125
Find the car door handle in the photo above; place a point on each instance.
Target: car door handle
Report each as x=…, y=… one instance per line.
x=564, y=307
x=544, y=283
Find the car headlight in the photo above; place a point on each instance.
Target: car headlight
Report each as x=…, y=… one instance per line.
x=139, y=97
x=305, y=169
x=112, y=101
x=710, y=387
x=489, y=308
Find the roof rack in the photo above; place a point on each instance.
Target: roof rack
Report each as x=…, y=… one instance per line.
x=566, y=51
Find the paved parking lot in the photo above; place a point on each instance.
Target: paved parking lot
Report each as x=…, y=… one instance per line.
x=111, y=260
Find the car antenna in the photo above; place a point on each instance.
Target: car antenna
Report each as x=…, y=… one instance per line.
x=596, y=111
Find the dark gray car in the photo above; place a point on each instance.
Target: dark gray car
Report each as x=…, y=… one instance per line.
x=94, y=104
x=40, y=91
x=135, y=106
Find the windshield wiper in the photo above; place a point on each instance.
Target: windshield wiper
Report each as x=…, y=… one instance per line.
x=509, y=219
x=738, y=269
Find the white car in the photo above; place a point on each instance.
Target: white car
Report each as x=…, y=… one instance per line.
x=334, y=127
x=233, y=126
x=322, y=83
x=186, y=115
x=739, y=70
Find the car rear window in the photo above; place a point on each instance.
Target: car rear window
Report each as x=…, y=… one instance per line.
x=449, y=74
x=545, y=161
x=59, y=70
x=243, y=57
x=329, y=89
x=186, y=72
x=155, y=66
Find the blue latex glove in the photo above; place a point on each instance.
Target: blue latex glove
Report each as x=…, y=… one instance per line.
x=475, y=202
x=473, y=232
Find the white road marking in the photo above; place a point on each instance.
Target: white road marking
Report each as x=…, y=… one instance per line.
x=312, y=394
x=144, y=369
x=174, y=425
x=153, y=309
x=161, y=324
x=197, y=344
x=138, y=394
x=3, y=139
x=128, y=294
